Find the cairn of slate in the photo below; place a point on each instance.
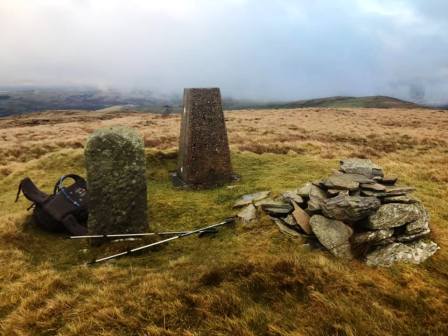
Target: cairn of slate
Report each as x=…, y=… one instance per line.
x=116, y=180
x=355, y=212
x=204, y=155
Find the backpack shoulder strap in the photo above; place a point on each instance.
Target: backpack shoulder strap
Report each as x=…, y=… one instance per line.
x=72, y=225
x=31, y=192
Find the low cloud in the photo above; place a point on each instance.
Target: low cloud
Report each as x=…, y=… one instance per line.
x=255, y=49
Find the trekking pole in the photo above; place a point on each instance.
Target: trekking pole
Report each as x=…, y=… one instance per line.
x=130, y=235
x=185, y=234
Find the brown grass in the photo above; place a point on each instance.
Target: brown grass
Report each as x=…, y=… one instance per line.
x=250, y=280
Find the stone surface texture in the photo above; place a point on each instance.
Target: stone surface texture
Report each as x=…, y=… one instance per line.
x=350, y=208
x=248, y=214
x=333, y=234
x=204, y=155
x=394, y=215
x=250, y=198
x=116, y=180
x=416, y=253
x=362, y=167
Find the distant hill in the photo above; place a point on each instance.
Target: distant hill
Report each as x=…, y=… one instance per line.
x=351, y=102
x=18, y=101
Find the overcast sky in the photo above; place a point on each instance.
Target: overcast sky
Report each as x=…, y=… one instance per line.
x=285, y=49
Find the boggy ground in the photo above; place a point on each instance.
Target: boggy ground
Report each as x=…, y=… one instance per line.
x=248, y=280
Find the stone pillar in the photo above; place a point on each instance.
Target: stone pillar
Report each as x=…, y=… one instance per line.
x=116, y=181
x=204, y=155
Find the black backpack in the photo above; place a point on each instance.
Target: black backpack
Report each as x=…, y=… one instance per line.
x=64, y=210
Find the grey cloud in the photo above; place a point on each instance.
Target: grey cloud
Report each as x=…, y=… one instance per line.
x=251, y=49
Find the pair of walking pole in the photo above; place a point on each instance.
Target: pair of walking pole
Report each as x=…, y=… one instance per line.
x=177, y=235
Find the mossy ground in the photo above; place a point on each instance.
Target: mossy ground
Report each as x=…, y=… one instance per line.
x=247, y=280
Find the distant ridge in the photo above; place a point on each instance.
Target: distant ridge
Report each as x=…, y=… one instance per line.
x=351, y=102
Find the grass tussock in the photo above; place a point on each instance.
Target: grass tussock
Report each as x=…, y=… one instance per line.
x=247, y=280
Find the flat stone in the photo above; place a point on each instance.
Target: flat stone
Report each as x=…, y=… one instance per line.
x=285, y=229
x=277, y=210
x=393, y=215
x=361, y=167
x=302, y=219
x=359, y=178
x=289, y=196
x=266, y=201
x=316, y=197
x=371, y=193
x=388, y=181
x=289, y=220
x=341, y=182
x=350, y=208
x=398, y=191
x=248, y=214
x=304, y=191
x=204, y=154
x=399, y=199
x=415, y=253
x=333, y=192
x=333, y=234
x=248, y=199
x=421, y=223
x=410, y=237
x=373, y=187
x=372, y=237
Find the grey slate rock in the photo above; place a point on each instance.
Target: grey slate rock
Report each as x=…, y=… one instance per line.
x=248, y=214
x=304, y=191
x=412, y=236
x=341, y=182
x=373, y=186
x=415, y=253
x=333, y=234
x=372, y=237
x=362, y=167
x=350, y=208
x=248, y=199
x=116, y=180
x=277, y=210
x=393, y=215
x=399, y=199
x=316, y=197
x=388, y=181
x=398, y=191
x=421, y=223
x=289, y=196
x=285, y=228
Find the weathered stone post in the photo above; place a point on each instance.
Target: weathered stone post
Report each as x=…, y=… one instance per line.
x=116, y=181
x=204, y=155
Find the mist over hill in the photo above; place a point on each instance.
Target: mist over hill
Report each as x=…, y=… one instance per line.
x=19, y=100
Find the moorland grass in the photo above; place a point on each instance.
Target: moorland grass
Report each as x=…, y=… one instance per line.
x=247, y=280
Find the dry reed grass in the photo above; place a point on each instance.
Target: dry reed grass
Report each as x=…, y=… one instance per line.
x=250, y=280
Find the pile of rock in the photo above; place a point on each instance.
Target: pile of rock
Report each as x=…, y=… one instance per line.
x=356, y=212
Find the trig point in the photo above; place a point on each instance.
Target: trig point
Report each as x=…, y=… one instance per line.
x=204, y=155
